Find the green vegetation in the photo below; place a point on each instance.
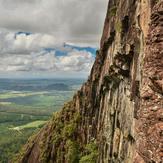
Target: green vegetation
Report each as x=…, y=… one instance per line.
x=26, y=105
x=69, y=130
x=34, y=124
x=22, y=114
x=11, y=142
x=90, y=153
x=64, y=130
x=13, y=94
x=113, y=11
x=58, y=140
x=118, y=27
x=72, y=151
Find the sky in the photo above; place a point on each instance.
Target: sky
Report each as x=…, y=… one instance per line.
x=49, y=38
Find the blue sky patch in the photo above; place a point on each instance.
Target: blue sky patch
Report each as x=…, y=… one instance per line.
x=26, y=33
x=69, y=48
x=20, y=33
x=88, y=49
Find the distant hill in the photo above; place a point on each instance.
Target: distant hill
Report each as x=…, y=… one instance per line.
x=58, y=87
x=55, y=86
x=38, y=84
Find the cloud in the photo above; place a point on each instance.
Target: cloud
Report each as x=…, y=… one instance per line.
x=23, y=43
x=42, y=53
x=74, y=61
x=70, y=20
x=49, y=36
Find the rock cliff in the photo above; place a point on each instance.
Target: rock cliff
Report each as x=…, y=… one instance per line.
x=117, y=116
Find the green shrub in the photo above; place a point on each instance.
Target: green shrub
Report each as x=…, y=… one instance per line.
x=90, y=153
x=77, y=117
x=69, y=130
x=72, y=155
x=56, y=138
x=113, y=11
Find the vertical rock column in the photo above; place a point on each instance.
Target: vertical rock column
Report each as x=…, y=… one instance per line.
x=149, y=126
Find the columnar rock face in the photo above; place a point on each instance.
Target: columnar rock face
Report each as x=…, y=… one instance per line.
x=149, y=125
x=117, y=115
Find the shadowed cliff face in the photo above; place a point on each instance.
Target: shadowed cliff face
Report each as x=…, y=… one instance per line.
x=116, y=117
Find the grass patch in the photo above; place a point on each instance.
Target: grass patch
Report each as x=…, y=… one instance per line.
x=90, y=153
x=13, y=94
x=34, y=124
x=72, y=152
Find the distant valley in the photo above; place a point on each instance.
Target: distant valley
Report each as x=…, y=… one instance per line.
x=26, y=105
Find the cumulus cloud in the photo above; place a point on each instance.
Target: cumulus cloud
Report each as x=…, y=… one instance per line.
x=21, y=43
x=75, y=61
x=21, y=52
x=49, y=36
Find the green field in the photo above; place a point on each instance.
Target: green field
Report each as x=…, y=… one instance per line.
x=34, y=124
x=24, y=113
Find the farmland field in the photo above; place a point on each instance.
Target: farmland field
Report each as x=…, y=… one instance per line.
x=26, y=105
